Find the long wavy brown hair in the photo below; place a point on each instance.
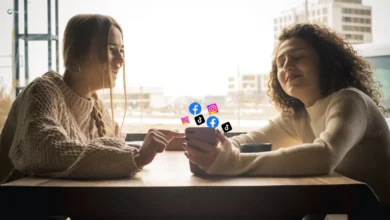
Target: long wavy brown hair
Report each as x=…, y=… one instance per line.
x=340, y=67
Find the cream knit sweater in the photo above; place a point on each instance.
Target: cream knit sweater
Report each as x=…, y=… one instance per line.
x=50, y=132
x=344, y=132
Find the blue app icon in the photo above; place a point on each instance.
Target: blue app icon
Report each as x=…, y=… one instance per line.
x=212, y=122
x=195, y=108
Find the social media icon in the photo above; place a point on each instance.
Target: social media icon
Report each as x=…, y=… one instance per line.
x=212, y=122
x=195, y=108
x=212, y=108
x=226, y=127
x=185, y=120
x=199, y=119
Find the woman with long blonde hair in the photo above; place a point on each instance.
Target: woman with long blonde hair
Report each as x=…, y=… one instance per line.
x=58, y=127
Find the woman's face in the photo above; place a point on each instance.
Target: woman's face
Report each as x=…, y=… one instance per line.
x=299, y=70
x=98, y=71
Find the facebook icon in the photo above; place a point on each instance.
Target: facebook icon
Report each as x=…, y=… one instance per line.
x=195, y=108
x=212, y=122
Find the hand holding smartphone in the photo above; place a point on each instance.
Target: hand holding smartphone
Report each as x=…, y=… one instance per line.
x=204, y=134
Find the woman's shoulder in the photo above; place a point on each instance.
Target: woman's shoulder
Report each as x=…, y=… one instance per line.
x=349, y=91
x=43, y=89
x=44, y=85
x=353, y=94
x=352, y=97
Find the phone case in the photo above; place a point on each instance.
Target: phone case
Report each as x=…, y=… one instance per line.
x=205, y=134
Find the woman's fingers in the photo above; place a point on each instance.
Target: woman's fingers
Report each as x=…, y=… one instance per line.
x=203, y=146
x=160, y=134
x=157, y=140
x=191, y=158
x=171, y=134
x=220, y=136
x=194, y=152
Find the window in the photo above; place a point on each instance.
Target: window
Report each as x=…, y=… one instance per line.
x=381, y=66
x=177, y=53
x=356, y=20
x=349, y=1
x=347, y=10
x=248, y=85
x=356, y=11
x=354, y=37
x=356, y=28
x=347, y=19
x=248, y=78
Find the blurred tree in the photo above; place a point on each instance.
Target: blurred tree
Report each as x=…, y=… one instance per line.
x=5, y=106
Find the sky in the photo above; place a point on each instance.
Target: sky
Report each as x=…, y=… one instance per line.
x=181, y=45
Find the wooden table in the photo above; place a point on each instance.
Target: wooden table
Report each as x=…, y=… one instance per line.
x=167, y=188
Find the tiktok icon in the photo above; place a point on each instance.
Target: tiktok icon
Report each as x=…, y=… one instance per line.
x=226, y=127
x=199, y=119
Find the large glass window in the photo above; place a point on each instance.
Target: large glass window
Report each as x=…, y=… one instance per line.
x=181, y=51
x=381, y=66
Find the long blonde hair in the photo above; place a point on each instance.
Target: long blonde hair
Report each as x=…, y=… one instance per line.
x=80, y=31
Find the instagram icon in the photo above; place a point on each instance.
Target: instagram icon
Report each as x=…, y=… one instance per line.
x=212, y=108
x=185, y=120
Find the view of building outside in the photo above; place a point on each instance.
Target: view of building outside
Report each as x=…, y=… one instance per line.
x=180, y=52
x=351, y=19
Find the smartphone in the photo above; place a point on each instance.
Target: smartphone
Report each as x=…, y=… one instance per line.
x=204, y=134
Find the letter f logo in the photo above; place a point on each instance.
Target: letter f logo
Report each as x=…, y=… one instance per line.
x=212, y=122
x=195, y=109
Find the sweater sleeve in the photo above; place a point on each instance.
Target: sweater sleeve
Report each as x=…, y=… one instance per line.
x=279, y=131
x=346, y=122
x=42, y=147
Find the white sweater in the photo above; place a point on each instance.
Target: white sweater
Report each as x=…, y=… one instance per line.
x=344, y=132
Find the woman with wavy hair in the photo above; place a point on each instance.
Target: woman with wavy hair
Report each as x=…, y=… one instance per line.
x=331, y=118
x=58, y=127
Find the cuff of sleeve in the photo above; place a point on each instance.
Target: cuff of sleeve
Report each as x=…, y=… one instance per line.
x=224, y=163
x=135, y=154
x=112, y=142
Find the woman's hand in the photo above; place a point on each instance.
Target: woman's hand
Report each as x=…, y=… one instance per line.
x=155, y=142
x=206, y=155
